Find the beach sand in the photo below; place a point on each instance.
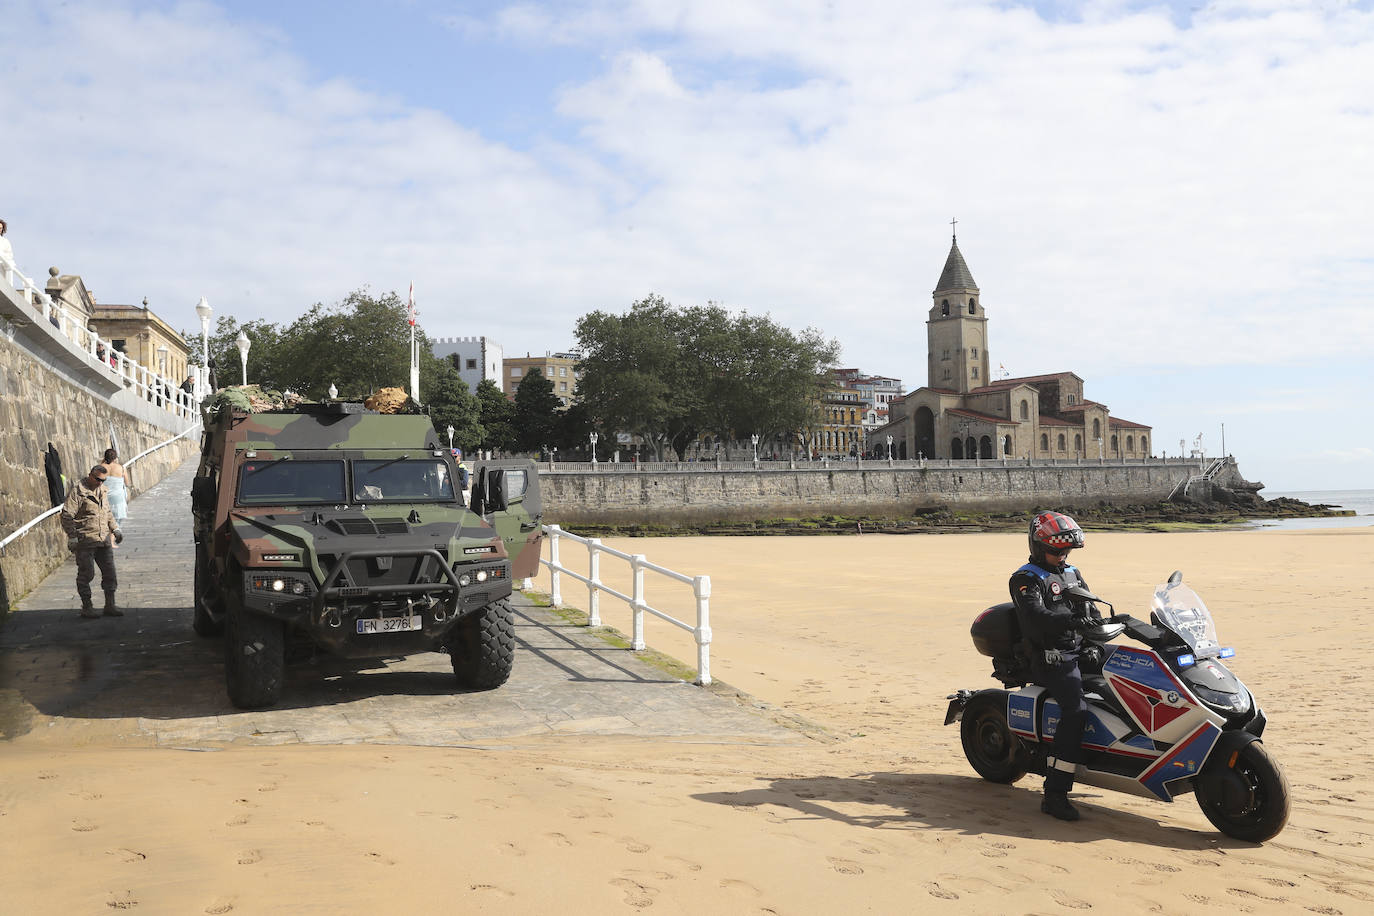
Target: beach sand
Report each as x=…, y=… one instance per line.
x=876, y=812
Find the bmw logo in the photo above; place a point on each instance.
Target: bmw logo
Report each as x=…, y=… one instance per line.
x=1172, y=696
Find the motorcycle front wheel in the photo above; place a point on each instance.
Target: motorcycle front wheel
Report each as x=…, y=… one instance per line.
x=989, y=743
x=1248, y=800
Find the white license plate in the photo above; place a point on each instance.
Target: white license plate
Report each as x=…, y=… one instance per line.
x=388, y=624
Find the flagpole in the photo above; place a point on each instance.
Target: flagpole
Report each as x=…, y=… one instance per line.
x=414, y=352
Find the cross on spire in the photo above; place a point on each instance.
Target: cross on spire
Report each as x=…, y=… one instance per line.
x=954, y=233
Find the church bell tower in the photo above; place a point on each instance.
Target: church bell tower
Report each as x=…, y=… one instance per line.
x=956, y=333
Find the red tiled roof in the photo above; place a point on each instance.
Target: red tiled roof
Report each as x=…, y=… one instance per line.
x=975, y=415
x=1085, y=403
x=1006, y=383
x=1125, y=424
x=1054, y=421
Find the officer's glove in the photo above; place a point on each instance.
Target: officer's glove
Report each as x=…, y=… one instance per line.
x=1084, y=622
x=72, y=543
x=1052, y=657
x=119, y=535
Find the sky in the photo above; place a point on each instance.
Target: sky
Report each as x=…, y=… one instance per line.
x=1169, y=199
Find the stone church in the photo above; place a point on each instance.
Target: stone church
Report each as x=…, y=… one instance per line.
x=966, y=412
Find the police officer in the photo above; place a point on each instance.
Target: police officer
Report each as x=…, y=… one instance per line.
x=92, y=533
x=1050, y=624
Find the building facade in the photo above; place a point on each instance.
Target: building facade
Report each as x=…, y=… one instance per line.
x=559, y=368
x=475, y=358
x=963, y=412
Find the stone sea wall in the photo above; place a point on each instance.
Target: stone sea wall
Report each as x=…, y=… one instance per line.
x=694, y=494
x=48, y=396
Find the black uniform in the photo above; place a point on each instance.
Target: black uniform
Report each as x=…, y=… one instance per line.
x=1047, y=623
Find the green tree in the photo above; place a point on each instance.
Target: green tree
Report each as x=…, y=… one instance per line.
x=450, y=403
x=497, y=415
x=536, y=413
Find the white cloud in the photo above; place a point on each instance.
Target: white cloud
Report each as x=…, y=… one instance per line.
x=1132, y=192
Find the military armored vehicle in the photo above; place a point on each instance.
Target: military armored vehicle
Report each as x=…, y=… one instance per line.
x=332, y=525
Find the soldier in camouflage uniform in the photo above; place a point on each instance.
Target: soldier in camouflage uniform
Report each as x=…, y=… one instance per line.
x=92, y=533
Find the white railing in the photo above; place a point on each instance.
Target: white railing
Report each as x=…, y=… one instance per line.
x=150, y=385
x=701, y=591
x=24, y=529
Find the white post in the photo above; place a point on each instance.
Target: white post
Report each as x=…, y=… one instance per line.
x=637, y=630
x=594, y=586
x=701, y=586
x=555, y=591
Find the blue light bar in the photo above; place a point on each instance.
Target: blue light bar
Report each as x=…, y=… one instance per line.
x=1185, y=661
x=1226, y=653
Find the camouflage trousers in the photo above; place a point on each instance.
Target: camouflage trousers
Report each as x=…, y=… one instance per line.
x=87, y=558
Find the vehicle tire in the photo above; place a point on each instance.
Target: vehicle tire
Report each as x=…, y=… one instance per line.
x=254, y=657
x=201, y=621
x=989, y=743
x=1248, y=801
x=483, y=649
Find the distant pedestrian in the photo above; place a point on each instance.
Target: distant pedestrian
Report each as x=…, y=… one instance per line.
x=92, y=534
x=212, y=382
x=116, y=482
x=6, y=254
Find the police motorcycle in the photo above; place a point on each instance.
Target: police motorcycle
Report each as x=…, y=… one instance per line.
x=1163, y=720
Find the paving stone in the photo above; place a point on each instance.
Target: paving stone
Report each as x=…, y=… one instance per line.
x=146, y=678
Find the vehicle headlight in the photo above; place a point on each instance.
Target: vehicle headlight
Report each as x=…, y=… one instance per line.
x=278, y=585
x=298, y=588
x=481, y=575
x=464, y=580
x=1235, y=702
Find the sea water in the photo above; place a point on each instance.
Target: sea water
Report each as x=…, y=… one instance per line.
x=1361, y=502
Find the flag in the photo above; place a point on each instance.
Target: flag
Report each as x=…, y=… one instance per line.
x=410, y=313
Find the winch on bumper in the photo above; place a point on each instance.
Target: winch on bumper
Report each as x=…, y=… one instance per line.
x=379, y=618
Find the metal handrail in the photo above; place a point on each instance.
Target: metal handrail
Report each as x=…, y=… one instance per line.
x=701, y=591
x=24, y=529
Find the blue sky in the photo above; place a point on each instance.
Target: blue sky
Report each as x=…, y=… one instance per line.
x=1168, y=199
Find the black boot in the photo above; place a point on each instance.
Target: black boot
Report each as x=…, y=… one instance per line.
x=1056, y=804
x=110, y=609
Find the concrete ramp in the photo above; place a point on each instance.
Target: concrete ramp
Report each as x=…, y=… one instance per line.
x=147, y=679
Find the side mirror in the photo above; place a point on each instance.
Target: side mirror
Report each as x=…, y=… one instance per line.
x=1176, y=578
x=203, y=494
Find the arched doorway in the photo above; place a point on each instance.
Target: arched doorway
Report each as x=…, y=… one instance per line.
x=970, y=448
x=924, y=422
x=985, y=447
x=956, y=448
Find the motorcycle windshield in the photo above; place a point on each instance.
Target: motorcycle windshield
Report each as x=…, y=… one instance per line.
x=1180, y=609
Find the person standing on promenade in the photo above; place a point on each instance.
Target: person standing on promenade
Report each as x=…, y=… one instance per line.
x=1050, y=623
x=91, y=534
x=116, y=482
x=6, y=254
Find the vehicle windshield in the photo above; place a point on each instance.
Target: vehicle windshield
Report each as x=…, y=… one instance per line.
x=404, y=479
x=290, y=482
x=1180, y=609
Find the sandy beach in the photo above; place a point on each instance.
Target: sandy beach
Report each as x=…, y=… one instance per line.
x=875, y=810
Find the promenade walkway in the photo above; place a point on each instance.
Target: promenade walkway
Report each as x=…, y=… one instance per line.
x=147, y=679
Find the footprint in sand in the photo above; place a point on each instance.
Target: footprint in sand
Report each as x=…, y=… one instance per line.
x=687, y=863
x=743, y=887
x=636, y=895
x=81, y=825
x=491, y=889
x=559, y=839
x=935, y=890
x=220, y=905
x=121, y=900
x=633, y=845
x=127, y=855
x=845, y=866
x=380, y=859
x=237, y=821
x=250, y=857
x=268, y=787
x=47, y=774
x=1064, y=898
x=510, y=849
x=1244, y=894
x=1325, y=910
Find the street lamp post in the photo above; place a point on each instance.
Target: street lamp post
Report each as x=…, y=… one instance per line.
x=203, y=311
x=754, y=441
x=593, y=437
x=889, y=449
x=450, y=439
x=243, y=343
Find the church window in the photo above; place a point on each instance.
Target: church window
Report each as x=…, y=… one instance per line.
x=944, y=354
x=1130, y=443
x=1073, y=399
x=971, y=305
x=1097, y=429
x=1061, y=442
x=1044, y=442
x=1006, y=445
x=973, y=352
x=947, y=373
x=1113, y=444
x=1145, y=445
x=975, y=371
x=1077, y=442
x=944, y=306
x=1025, y=410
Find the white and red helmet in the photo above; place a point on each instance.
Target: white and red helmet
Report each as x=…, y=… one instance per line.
x=1054, y=531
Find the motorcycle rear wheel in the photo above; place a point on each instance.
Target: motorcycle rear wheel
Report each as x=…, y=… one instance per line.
x=1250, y=800
x=989, y=743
